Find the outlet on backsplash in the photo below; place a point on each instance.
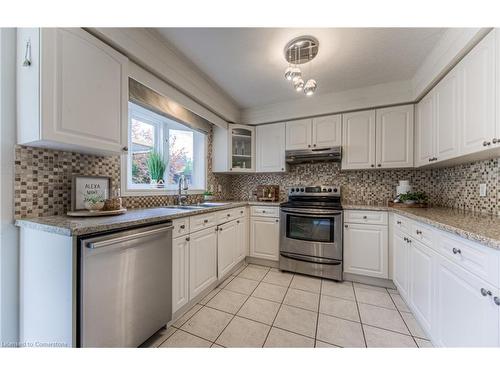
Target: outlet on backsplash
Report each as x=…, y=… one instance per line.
x=482, y=190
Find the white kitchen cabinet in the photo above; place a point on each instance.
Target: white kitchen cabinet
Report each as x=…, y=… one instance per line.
x=270, y=148
x=401, y=263
x=422, y=260
x=242, y=248
x=366, y=250
x=233, y=149
x=358, y=140
x=180, y=272
x=74, y=95
x=394, y=137
x=425, y=131
x=203, y=260
x=299, y=134
x=264, y=238
x=227, y=242
x=327, y=131
x=464, y=316
x=477, y=114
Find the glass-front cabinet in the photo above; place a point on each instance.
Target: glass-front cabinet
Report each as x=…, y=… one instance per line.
x=241, y=148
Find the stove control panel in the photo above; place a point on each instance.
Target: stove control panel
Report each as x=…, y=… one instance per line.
x=314, y=190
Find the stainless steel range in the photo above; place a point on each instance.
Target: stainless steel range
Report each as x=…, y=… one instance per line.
x=311, y=231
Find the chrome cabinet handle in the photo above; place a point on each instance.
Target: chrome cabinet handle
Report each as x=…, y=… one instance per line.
x=27, y=54
x=418, y=231
x=456, y=251
x=398, y=222
x=485, y=292
x=497, y=301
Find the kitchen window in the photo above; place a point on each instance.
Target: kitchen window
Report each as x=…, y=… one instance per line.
x=182, y=149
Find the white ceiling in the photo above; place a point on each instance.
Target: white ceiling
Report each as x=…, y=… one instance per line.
x=248, y=63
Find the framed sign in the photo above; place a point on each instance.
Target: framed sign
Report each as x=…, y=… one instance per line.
x=89, y=189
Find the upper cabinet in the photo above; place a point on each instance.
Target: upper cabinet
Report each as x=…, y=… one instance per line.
x=234, y=149
x=318, y=132
x=72, y=91
x=381, y=138
x=270, y=149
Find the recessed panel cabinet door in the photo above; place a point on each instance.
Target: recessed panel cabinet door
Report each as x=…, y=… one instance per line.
x=466, y=314
x=394, y=137
x=358, y=140
x=401, y=258
x=264, y=238
x=270, y=148
x=227, y=242
x=327, y=131
x=477, y=71
x=84, y=90
x=299, y=134
x=180, y=272
x=243, y=239
x=425, y=131
x=366, y=250
x=203, y=260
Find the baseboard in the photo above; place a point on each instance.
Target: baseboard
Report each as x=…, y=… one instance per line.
x=384, y=283
x=263, y=262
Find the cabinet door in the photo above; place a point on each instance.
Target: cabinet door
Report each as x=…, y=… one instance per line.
x=180, y=272
x=425, y=131
x=401, y=259
x=241, y=148
x=366, y=250
x=264, y=238
x=477, y=89
x=270, y=146
x=299, y=134
x=447, y=110
x=464, y=316
x=243, y=240
x=358, y=140
x=84, y=90
x=422, y=260
x=327, y=131
x=394, y=135
x=227, y=242
x=203, y=261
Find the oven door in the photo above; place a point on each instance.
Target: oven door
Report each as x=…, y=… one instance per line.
x=311, y=232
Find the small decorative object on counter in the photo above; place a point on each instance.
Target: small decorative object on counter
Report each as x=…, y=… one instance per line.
x=269, y=193
x=208, y=195
x=156, y=168
x=89, y=192
x=94, y=201
x=113, y=203
x=410, y=199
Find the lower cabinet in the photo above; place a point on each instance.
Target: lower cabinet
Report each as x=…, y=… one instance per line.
x=180, y=272
x=264, y=237
x=203, y=260
x=227, y=245
x=366, y=250
x=421, y=284
x=466, y=314
x=242, y=239
x=401, y=262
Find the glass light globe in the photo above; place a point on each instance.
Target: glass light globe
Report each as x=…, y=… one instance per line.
x=288, y=73
x=310, y=87
x=298, y=84
x=296, y=73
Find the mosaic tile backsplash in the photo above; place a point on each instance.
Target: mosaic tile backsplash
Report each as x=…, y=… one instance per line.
x=43, y=182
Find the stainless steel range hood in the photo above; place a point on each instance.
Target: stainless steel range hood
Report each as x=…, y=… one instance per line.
x=314, y=155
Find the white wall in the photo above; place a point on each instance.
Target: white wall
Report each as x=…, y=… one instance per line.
x=9, y=248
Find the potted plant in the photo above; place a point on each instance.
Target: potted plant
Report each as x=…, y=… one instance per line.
x=94, y=201
x=413, y=197
x=208, y=195
x=156, y=167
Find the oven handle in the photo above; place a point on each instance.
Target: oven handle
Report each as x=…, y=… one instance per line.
x=312, y=213
x=305, y=258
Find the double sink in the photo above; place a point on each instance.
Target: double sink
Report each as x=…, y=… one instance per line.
x=197, y=206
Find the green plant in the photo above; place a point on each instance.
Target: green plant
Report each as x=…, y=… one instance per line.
x=156, y=166
x=208, y=193
x=93, y=198
x=418, y=196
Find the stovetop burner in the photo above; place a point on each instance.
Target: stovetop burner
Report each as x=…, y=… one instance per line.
x=324, y=197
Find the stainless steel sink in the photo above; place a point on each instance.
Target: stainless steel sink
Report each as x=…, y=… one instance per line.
x=177, y=207
x=197, y=206
x=212, y=204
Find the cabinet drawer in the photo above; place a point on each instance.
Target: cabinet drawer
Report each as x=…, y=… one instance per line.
x=181, y=227
x=265, y=211
x=228, y=215
x=202, y=221
x=422, y=233
x=402, y=223
x=366, y=217
x=479, y=260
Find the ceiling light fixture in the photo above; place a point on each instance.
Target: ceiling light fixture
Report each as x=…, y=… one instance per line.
x=299, y=51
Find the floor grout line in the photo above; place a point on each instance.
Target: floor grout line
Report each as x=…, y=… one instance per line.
x=359, y=313
x=317, y=315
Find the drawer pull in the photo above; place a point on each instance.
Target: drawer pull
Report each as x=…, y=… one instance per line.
x=228, y=215
x=277, y=220
x=398, y=222
x=205, y=221
x=241, y=212
x=182, y=226
x=497, y=301
x=263, y=211
x=365, y=217
x=456, y=251
x=418, y=231
x=346, y=226
x=237, y=221
x=188, y=239
x=485, y=292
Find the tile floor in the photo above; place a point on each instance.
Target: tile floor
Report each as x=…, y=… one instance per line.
x=263, y=307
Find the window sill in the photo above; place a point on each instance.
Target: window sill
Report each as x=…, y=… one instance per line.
x=152, y=192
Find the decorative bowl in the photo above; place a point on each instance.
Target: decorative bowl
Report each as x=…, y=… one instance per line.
x=94, y=206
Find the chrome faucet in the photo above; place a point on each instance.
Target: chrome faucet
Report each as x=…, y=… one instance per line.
x=182, y=192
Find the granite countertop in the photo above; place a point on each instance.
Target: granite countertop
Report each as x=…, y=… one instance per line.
x=474, y=226
x=77, y=226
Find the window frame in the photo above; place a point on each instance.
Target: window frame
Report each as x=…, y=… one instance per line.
x=161, y=124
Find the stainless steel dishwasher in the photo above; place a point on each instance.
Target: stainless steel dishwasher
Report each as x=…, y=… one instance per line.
x=125, y=286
